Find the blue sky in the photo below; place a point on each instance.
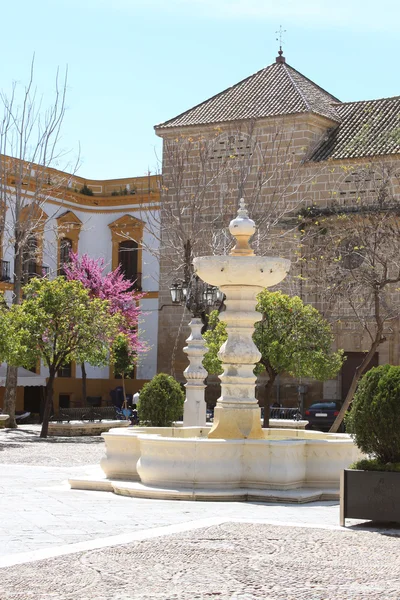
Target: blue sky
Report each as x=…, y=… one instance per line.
x=135, y=63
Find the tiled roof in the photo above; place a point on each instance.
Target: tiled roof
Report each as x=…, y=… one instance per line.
x=367, y=128
x=276, y=90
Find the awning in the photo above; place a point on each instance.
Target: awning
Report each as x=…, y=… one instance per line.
x=25, y=378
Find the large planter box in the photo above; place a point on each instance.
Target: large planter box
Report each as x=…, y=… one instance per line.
x=370, y=495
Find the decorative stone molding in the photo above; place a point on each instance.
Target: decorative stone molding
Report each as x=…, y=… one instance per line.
x=68, y=226
x=123, y=229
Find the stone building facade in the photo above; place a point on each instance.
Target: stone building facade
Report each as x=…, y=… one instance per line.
x=286, y=145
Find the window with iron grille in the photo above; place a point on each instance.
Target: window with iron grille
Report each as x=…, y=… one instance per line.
x=29, y=257
x=65, y=252
x=128, y=259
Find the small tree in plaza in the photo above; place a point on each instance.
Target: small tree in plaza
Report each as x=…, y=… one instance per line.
x=114, y=288
x=123, y=358
x=161, y=401
x=292, y=337
x=57, y=322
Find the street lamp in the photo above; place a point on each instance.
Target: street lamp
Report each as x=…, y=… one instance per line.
x=200, y=299
x=176, y=293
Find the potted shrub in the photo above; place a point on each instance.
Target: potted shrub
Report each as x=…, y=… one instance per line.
x=370, y=489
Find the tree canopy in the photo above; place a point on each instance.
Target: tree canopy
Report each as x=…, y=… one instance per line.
x=111, y=286
x=292, y=337
x=57, y=322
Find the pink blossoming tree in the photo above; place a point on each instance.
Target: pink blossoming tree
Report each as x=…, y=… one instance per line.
x=111, y=286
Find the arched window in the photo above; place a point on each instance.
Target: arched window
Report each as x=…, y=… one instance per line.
x=29, y=258
x=65, y=251
x=128, y=259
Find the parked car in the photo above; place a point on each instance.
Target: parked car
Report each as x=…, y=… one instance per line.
x=322, y=415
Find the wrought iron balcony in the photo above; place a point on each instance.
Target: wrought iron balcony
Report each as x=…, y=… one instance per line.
x=5, y=271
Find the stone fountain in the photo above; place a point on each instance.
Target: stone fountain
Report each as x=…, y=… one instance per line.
x=241, y=276
x=234, y=459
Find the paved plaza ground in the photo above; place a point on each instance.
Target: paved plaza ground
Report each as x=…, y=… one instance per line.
x=57, y=543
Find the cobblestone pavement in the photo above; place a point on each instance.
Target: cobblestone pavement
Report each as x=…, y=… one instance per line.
x=24, y=446
x=235, y=561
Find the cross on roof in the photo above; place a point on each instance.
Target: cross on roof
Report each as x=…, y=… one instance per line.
x=279, y=39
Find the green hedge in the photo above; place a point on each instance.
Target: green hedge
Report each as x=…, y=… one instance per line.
x=374, y=419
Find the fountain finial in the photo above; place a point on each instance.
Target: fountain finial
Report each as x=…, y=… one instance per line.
x=242, y=228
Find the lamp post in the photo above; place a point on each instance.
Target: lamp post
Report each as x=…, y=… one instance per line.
x=200, y=299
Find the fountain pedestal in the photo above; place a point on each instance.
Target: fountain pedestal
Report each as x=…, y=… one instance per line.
x=237, y=414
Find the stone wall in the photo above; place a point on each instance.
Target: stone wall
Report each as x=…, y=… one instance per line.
x=275, y=152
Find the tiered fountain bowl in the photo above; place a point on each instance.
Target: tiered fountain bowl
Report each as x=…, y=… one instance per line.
x=234, y=459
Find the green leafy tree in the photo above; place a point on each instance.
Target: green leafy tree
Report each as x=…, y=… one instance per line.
x=292, y=337
x=124, y=357
x=161, y=401
x=374, y=419
x=58, y=323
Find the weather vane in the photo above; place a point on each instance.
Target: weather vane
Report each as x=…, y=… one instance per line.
x=279, y=39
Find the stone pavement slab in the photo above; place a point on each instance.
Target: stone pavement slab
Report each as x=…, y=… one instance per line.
x=229, y=561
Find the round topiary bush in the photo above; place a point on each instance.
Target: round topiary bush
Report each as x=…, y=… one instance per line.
x=161, y=401
x=374, y=419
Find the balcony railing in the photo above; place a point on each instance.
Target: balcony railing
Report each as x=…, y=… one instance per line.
x=5, y=271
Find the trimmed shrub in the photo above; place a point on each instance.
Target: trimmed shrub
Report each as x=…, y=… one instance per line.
x=374, y=465
x=161, y=401
x=374, y=419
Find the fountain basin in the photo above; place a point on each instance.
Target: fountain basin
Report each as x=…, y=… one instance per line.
x=260, y=271
x=197, y=463
x=291, y=465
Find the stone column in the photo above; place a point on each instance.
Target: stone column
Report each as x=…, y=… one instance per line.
x=194, y=409
x=237, y=414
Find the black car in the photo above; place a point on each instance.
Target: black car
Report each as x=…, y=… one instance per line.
x=322, y=415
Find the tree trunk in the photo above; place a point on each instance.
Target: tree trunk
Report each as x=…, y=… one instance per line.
x=48, y=404
x=84, y=381
x=10, y=395
x=267, y=398
x=360, y=370
x=124, y=395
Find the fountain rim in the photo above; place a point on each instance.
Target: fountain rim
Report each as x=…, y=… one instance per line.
x=155, y=437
